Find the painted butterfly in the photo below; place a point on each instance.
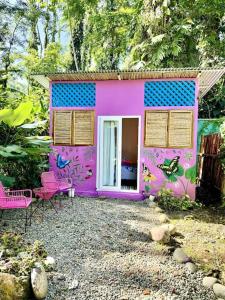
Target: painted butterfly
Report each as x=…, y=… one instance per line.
x=148, y=176
x=171, y=168
x=61, y=163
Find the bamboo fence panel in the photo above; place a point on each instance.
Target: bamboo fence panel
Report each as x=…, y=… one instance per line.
x=210, y=169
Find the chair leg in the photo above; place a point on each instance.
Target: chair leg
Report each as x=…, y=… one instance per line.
x=42, y=209
x=53, y=205
x=26, y=216
x=30, y=216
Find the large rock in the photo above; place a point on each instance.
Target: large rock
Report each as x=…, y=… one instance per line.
x=209, y=281
x=160, y=234
x=180, y=256
x=39, y=281
x=219, y=290
x=163, y=218
x=14, y=288
x=170, y=227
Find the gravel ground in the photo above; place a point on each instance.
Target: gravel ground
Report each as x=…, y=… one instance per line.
x=103, y=251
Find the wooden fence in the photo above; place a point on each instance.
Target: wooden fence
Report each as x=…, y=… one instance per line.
x=210, y=171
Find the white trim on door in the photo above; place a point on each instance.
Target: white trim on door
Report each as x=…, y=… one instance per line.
x=99, y=162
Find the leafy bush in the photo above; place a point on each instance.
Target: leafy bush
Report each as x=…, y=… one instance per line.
x=168, y=201
x=18, y=257
x=23, y=149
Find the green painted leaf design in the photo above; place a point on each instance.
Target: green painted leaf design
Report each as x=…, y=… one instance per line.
x=171, y=178
x=190, y=174
x=180, y=171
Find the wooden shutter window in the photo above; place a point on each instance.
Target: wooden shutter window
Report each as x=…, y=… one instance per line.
x=180, y=129
x=83, y=127
x=156, y=123
x=62, y=127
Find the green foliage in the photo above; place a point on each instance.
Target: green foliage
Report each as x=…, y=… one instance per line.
x=168, y=201
x=54, y=59
x=16, y=117
x=213, y=104
x=23, y=150
x=7, y=181
x=19, y=257
x=12, y=242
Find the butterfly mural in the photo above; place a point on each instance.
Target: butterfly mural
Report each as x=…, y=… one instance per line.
x=61, y=163
x=147, y=175
x=171, y=168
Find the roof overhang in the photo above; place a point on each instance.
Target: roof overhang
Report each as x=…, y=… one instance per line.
x=207, y=76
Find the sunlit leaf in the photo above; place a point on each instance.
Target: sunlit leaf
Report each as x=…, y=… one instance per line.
x=5, y=115
x=12, y=151
x=34, y=125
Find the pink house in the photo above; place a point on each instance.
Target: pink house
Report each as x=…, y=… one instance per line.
x=123, y=134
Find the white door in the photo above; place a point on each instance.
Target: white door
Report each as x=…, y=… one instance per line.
x=110, y=137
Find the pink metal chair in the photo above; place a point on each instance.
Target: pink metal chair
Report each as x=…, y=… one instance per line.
x=45, y=195
x=50, y=182
x=17, y=199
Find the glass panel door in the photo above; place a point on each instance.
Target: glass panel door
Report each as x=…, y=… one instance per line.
x=110, y=153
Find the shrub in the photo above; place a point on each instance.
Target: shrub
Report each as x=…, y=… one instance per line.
x=17, y=256
x=168, y=201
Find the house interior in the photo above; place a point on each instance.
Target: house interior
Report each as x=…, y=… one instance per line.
x=129, y=153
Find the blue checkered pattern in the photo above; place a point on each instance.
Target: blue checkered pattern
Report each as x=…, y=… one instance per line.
x=170, y=93
x=73, y=94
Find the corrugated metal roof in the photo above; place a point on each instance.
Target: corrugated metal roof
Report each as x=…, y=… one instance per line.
x=207, y=76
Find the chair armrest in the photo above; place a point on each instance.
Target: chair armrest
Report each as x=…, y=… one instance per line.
x=12, y=202
x=13, y=198
x=67, y=180
x=18, y=193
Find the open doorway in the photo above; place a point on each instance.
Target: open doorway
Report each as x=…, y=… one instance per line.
x=118, y=151
x=129, y=159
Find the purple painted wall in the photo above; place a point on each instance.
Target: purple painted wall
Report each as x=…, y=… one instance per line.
x=126, y=98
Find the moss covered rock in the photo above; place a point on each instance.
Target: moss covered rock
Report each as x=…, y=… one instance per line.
x=14, y=288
